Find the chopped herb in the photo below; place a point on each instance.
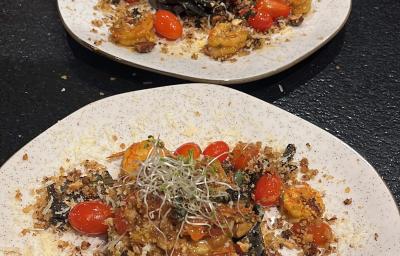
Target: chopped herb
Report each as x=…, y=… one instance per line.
x=239, y=178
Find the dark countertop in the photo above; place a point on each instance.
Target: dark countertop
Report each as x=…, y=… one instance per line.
x=351, y=87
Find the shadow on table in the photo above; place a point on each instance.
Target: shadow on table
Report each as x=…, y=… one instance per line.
x=269, y=89
x=127, y=78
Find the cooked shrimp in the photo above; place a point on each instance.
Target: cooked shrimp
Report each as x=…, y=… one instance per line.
x=225, y=39
x=138, y=153
x=135, y=154
x=303, y=202
x=127, y=34
x=300, y=6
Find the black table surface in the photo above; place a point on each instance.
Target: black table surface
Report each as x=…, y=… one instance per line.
x=350, y=87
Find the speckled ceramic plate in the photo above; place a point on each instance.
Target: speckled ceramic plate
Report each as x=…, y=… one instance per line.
x=201, y=113
x=287, y=49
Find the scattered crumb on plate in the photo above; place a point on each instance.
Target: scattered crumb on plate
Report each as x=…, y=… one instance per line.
x=18, y=195
x=348, y=201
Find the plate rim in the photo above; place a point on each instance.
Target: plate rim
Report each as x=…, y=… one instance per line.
x=276, y=108
x=247, y=79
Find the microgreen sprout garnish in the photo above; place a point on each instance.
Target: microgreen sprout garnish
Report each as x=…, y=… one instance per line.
x=183, y=184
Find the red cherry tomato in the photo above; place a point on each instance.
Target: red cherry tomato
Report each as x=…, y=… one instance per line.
x=167, y=25
x=261, y=21
x=88, y=217
x=321, y=233
x=120, y=223
x=186, y=148
x=276, y=8
x=268, y=190
x=243, y=153
x=217, y=149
